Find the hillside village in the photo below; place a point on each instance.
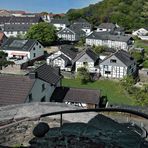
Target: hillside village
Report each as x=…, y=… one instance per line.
x=31, y=71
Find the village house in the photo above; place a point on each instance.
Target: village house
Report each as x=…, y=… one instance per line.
x=112, y=41
x=85, y=98
x=37, y=86
x=109, y=27
x=71, y=33
x=21, y=51
x=118, y=65
x=63, y=58
x=88, y=59
x=77, y=30
x=60, y=23
x=14, y=26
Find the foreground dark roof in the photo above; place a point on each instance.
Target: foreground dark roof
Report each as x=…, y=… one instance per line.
x=77, y=95
x=68, y=50
x=48, y=74
x=18, y=44
x=14, y=89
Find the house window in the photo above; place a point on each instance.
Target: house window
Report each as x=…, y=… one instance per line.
x=85, y=63
x=43, y=99
x=43, y=87
x=107, y=72
x=113, y=61
x=33, y=48
x=105, y=66
x=39, y=46
x=34, y=55
x=37, y=43
x=30, y=97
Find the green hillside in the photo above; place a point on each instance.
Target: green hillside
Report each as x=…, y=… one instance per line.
x=130, y=14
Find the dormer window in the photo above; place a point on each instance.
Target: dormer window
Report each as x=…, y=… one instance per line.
x=113, y=61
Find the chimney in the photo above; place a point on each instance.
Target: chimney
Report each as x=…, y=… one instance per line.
x=33, y=75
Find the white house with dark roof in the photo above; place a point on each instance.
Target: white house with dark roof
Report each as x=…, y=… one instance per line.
x=37, y=86
x=140, y=32
x=88, y=59
x=14, y=26
x=60, y=23
x=109, y=27
x=118, y=65
x=21, y=51
x=112, y=41
x=63, y=58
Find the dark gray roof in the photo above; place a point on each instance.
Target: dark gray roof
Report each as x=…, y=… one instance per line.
x=81, y=23
x=89, y=52
x=13, y=19
x=69, y=51
x=77, y=29
x=107, y=26
x=14, y=89
x=77, y=95
x=108, y=36
x=16, y=27
x=18, y=44
x=48, y=74
x=60, y=21
x=125, y=57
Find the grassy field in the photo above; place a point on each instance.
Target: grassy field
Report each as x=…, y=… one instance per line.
x=142, y=44
x=112, y=89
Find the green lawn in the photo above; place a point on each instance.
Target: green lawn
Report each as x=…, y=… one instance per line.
x=142, y=44
x=111, y=89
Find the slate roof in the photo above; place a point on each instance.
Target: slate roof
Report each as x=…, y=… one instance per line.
x=77, y=29
x=68, y=50
x=89, y=52
x=108, y=36
x=13, y=19
x=16, y=27
x=18, y=44
x=60, y=21
x=48, y=74
x=77, y=95
x=123, y=56
x=107, y=26
x=14, y=89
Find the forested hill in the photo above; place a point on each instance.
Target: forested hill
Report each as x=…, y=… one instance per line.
x=130, y=14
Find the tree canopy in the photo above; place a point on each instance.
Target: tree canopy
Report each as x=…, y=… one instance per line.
x=43, y=32
x=131, y=14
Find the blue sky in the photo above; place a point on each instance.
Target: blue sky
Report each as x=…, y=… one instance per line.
x=55, y=6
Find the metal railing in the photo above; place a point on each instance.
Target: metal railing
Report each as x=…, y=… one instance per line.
x=143, y=115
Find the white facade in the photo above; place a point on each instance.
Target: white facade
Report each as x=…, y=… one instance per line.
x=57, y=61
x=114, y=68
x=108, y=43
x=88, y=63
x=60, y=26
x=35, y=52
x=15, y=33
